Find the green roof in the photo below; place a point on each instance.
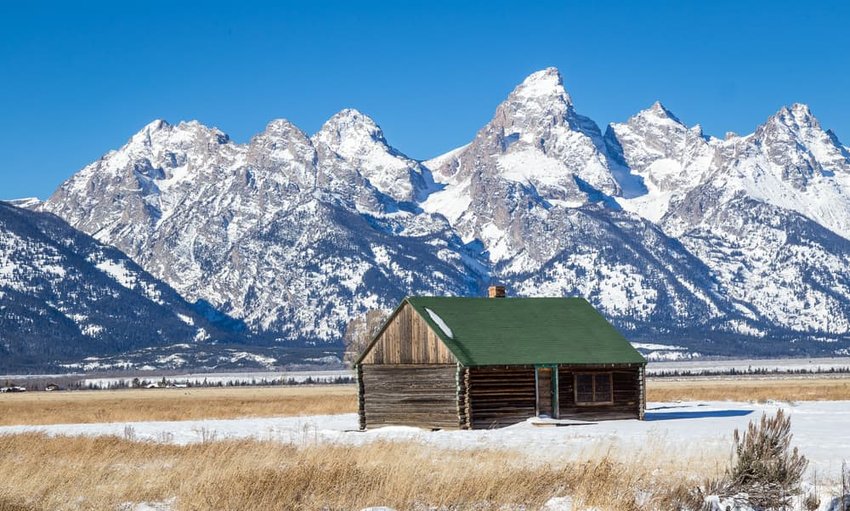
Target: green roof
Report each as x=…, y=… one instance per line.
x=524, y=331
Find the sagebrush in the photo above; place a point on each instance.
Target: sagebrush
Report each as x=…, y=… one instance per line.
x=767, y=469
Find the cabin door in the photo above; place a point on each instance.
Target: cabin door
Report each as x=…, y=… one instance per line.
x=545, y=391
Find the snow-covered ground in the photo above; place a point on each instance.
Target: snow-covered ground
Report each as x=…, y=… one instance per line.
x=695, y=430
x=198, y=379
x=787, y=365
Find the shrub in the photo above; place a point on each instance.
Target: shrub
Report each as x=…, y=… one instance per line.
x=767, y=469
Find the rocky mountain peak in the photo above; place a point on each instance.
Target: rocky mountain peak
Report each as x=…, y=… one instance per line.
x=351, y=122
x=350, y=132
x=145, y=135
x=160, y=136
x=537, y=105
x=281, y=128
x=546, y=83
x=659, y=111
x=282, y=141
x=156, y=125
x=793, y=137
x=356, y=138
x=797, y=116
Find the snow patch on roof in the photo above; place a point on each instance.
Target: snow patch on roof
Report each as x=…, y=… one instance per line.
x=440, y=323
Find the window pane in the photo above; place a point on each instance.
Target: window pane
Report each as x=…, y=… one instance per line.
x=603, y=387
x=584, y=388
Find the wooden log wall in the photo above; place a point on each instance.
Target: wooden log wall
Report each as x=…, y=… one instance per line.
x=628, y=394
x=422, y=395
x=407, y=339
x=499, y=396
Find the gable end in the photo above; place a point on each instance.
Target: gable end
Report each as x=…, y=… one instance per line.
x=406, y=338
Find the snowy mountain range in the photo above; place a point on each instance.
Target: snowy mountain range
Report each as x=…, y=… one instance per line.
x=723, y=246
x=65, y=296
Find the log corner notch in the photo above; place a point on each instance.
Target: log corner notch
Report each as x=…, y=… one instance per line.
x=471, y=363
x=361, y=408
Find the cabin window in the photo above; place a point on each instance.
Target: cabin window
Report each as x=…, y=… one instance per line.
x=594, y=388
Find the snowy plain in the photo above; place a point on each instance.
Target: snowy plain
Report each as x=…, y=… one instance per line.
x=236, y=378
x=787, y=365
x=693, y=367
x=690, y=429
x=687, y=431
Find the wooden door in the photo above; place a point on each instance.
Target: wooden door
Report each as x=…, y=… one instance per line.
x=544, y=391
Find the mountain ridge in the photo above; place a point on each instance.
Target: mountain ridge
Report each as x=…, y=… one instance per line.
x=296, y=233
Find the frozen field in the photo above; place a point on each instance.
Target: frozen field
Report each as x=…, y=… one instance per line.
x=198, y=379
x=692, y=430
x=788, y=365
x=694, y=367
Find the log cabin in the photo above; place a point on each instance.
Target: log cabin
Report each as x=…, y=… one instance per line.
x=473, y=363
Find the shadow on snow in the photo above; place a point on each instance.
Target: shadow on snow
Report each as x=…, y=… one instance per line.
x=696, y=414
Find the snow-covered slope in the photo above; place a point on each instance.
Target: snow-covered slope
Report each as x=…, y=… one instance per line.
x=790, y=162
x=357, y=139
x=664, y=157
x=536, y=140
x=676, y=236
x=535, y=190
x=64, y=296
x=767, y=212
x=288, y=233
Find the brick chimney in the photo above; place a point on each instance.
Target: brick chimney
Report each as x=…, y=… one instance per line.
x=496, y=291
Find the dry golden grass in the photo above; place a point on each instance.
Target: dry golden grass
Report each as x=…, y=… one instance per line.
x=59, y=473
x=230, y=402
x=174, y=404
x=749, y=389
x=45, y=473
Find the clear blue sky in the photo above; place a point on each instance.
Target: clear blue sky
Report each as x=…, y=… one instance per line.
x=77, y=81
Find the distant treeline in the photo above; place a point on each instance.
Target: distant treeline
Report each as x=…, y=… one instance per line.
x=750, y=371
x=165, y=382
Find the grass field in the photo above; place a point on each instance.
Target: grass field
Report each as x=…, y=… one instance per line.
x=40, y=472
x=231, y=402
x=777, y=388
x=173, y=404
x=59, y=473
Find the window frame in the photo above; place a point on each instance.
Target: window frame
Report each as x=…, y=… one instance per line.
x=593, y=376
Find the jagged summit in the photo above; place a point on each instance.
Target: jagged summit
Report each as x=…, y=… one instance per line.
x=161, y=133
x=351, y=118
x=545, y=83
x=359, y=141
x=143, y=136
x=350, y=127
x=798, y=115
x=281, y=127
x=155, y=125
x=659, y=110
